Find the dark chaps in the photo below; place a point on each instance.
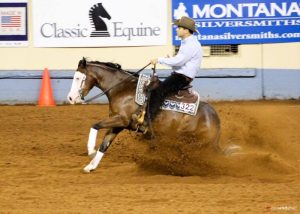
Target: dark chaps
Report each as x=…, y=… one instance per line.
x=170, y=86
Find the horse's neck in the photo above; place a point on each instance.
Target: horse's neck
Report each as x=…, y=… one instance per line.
x=124, y=83
x=117, y=83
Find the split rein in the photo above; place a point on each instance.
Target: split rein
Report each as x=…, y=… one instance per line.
x=104, y=92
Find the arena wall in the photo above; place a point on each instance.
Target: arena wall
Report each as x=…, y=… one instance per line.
x=256, y=72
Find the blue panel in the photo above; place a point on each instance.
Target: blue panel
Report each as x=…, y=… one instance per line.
x=17, y=87
x=24, y=87
x=282, y=85
x=229, y=88
x=241, y=21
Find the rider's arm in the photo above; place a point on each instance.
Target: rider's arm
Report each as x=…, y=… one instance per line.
x=180, y=59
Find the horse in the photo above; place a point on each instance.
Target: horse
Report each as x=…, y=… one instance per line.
x=120, y=86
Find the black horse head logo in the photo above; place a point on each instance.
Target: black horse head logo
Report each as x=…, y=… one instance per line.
x=96, y=13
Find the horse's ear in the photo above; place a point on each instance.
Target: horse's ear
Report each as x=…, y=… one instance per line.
x=82, y=63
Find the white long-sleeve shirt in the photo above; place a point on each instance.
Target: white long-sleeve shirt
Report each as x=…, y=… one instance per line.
x=188, y=59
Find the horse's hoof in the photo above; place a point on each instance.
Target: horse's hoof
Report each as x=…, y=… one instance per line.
x=88, y=169
x=232, y=150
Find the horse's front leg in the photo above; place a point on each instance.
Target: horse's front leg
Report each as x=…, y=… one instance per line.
x=116, y=124
x=113, y=122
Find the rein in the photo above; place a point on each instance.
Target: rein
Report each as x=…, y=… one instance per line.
x=104, y=92
x=148, y=106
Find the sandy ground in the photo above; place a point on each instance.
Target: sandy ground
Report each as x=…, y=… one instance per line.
x=42, y=152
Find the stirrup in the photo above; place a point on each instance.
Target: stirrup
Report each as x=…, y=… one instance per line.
x=139, y=118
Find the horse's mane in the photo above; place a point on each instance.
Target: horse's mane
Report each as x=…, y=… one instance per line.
x=114, y=66
x=108, y=64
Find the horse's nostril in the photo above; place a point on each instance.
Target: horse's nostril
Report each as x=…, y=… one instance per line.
x=70, y=98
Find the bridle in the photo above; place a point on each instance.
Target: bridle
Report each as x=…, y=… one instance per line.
x=107, y=90
x=81, y=87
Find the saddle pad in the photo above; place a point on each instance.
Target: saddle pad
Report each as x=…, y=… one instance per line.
x=169, y=105
x=139, y=93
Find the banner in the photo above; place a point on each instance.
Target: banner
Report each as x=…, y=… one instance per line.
x=241, y=21
x=96, y=23
x=13, y=23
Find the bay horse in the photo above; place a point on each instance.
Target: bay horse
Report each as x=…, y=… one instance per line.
x=120, y=87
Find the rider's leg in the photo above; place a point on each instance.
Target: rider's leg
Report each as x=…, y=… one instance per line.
x=171, y=85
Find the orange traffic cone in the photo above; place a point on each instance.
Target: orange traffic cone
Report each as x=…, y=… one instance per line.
x=46, y=96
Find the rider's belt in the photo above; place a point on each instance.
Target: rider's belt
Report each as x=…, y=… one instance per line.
x=188, y=79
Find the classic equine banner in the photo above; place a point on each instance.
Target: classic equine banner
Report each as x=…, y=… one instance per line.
x=13, y=23
x=95, y=23
x=241, y=21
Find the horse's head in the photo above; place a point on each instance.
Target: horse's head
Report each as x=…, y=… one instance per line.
x=83, y=82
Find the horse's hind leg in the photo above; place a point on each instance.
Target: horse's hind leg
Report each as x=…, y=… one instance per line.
x=108, y=138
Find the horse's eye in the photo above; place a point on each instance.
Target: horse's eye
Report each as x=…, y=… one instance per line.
x=77, y=78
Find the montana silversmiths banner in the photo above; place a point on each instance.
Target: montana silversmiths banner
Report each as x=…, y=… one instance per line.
x=96, y=23
x=13, y=23
x=241, y=21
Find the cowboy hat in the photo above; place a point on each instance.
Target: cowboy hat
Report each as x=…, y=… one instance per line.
x=187, y=23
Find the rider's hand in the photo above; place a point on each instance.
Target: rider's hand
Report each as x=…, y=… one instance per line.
x=153, y=61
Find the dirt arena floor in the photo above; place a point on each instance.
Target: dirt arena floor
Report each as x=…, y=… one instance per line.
x=43, y=150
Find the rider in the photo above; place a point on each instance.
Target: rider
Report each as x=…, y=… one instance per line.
x=185, y=64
